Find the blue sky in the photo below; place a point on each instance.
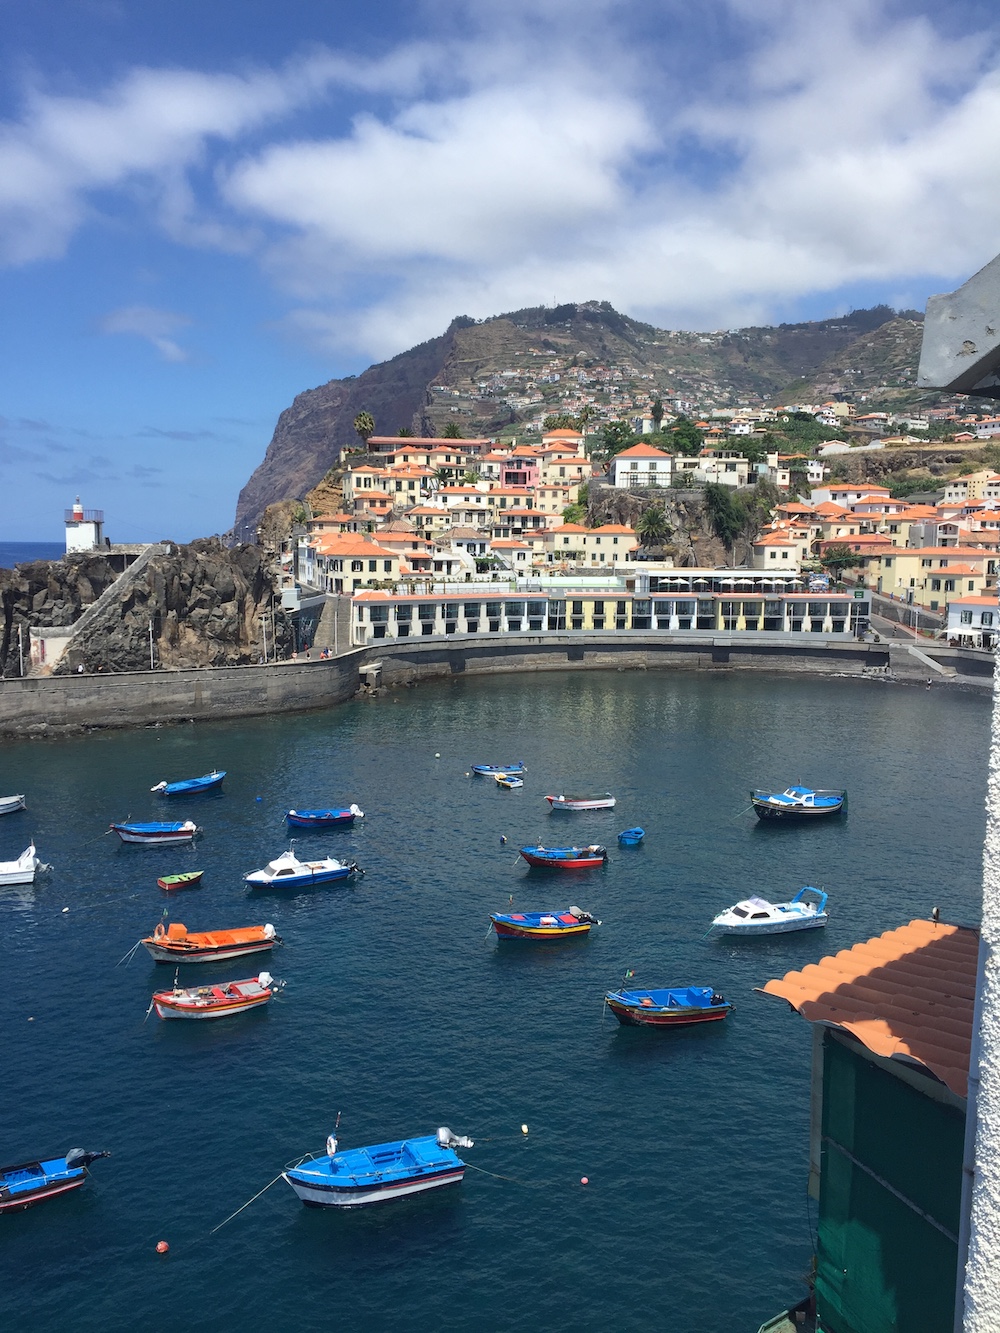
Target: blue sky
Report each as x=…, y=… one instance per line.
x=206, y=209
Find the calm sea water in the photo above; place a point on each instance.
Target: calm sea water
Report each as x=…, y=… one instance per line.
x=19, y=553
x=399, y=1013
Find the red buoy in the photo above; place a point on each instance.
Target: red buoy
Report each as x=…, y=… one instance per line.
x=584, y=1180
x=162, y=1247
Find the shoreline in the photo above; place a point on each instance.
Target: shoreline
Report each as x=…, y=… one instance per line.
x=36, y=707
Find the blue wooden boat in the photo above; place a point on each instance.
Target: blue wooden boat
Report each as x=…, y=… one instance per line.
x=509, y=781
x=358, y=1176
x=491, y=770
x=154, y=833
x=566, y=858
x=29, y=1183
x=542, y=925
x=675, y=1006
x=631, y=837
x=798, y=803
x=191, y=786
x=333, y=818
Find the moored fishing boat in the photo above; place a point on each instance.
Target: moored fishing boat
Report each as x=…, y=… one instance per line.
x=384, y=1171
x=491, y=770
x=605, y=802
x=231, y=997
x=155, y=834
x=631, y=837
x=671, y=1006
x=508, y=781
x=566, y=858
x=331, y=818
x=191, y=786
x=8, y=804
x=176, y=944
x=757, y=916
x=798, y=803
x=542, y=925
x=187, y=879
x=288, y=872
x=29, y=1183
x=24, y=869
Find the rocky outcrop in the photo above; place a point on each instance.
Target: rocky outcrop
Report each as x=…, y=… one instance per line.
x=692, y=542
x=206, y=604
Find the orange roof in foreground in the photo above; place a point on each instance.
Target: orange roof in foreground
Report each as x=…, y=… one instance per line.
x=906, y=995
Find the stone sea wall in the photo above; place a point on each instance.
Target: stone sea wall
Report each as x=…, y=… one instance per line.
x=53, y=706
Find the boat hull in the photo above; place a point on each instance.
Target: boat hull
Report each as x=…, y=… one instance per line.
x=542, y=862
x=299, y=881
x=635, y=1016
x=491, y=770
x=8, y=804
x=161, y=953
x=191, y=786
x=18, y=1202
x=506, y=931
x=162, y=838
x=764, y=810
x=167, y=1008
x=322, y=818
x=316, y=1195
x=571, y=803
x=171, y=883
x=770, y=927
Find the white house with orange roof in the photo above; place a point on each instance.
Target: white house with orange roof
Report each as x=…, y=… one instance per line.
x=973, y=621
x=983, y=485
x=347, y=561
x=392, y=444
x=603, y=547
x=558, y=462
x=553, y=498
x=334, y=523
x=781, y=548
x=568, y=438
x=846, y=494
x=640, y=465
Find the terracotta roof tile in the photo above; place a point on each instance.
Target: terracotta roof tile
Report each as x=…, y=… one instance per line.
x=906, y=995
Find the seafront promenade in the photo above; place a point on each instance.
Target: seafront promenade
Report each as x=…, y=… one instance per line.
x=57, y=705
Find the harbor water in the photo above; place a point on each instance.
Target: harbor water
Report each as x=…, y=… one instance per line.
x=401, y=1012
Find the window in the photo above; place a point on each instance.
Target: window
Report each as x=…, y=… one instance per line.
x=426, y=611
x=633, y=466
x=935, y=585
x=578, y=608
x=986, y=618
x=387, y=566
x=925, y=564
x=966, y=617
x=888, y=562
x=357, y=566
x=378, y=614
x=598, y=608
x=372, y=566
x=949, y=585
x=404, y=613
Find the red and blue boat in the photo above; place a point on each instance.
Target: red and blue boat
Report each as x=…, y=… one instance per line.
x=669, y=1007
x=335, y=817
x=542, y=925
x=29, y=1183
x=566, y=858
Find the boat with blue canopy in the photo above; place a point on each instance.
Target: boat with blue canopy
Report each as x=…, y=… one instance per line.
x=670, y=1006
x=631, y=837
x=191, y=786
x=542, y=925
x=153, y=833
x=29, y=1183
x=491, y=770
x=566, y=858
x=288, y=872
x=798, y=803
x=357, y=1176
x=757, y=916
x=335, y=817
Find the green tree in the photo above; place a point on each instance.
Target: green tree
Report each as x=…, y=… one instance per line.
x=686, y=437
x=404, y=434
x=656, y=411
x=574, y=513
x=753, y=450
x=616, y=436
x=724, y=514
x=452, y=431
x=364, y=424
x=837, y=558
x=652, y=527
x=561, y=421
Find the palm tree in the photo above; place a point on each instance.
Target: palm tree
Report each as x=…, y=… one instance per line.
x=652, y=527
x=452, y=431
x=364, y=424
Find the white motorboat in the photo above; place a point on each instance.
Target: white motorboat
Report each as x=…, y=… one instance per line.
x=288, y=872
x=756, y=916
x=605, y=802
x=23, y=870
x=8, y=804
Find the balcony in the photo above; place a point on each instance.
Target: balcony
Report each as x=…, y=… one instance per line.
x=84, y=516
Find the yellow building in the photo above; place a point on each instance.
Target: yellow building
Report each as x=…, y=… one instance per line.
x=931, y=576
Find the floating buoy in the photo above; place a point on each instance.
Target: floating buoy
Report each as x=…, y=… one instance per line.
x=259, y=798
x=503, y=839
x=162, y=1247
x=437, y=756
x=466, y=775
x=65, y=909
x=584, y=1180
x=524, y=1129
x=31, y=1020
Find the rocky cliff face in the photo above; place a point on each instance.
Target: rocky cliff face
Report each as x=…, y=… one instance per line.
x=206, y=604
x=310, y=434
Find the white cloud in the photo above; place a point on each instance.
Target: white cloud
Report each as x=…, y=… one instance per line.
x=540, y=155
x=155, y=326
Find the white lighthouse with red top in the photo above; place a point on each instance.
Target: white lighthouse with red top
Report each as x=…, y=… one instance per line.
x=84, y=528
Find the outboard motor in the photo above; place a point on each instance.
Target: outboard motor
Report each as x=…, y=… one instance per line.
x=446, y=1139
x=269, y=932
x=78, y=1157
x=581, y=915
x=265, y=979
